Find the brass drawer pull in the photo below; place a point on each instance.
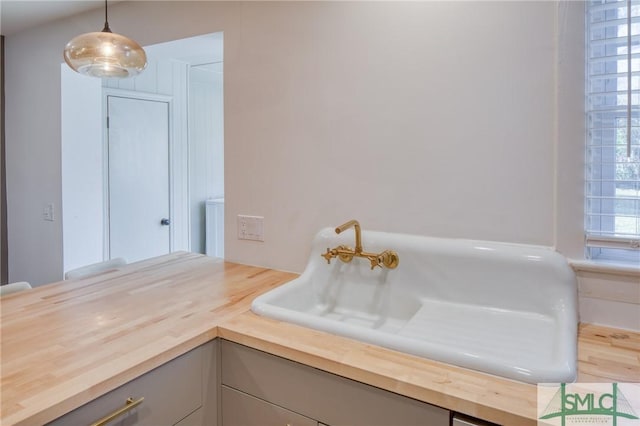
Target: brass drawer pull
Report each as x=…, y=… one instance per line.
x=128, y=406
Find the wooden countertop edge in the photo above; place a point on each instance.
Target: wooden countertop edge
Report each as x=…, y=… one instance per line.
x=232, y=329
x=48, y=403
x=99, y=389
x=346, y=366
x=324, y=362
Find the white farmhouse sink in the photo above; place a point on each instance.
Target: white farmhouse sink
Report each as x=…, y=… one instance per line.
x=504, y=309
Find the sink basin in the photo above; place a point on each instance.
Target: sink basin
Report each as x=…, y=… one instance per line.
x=500, y=308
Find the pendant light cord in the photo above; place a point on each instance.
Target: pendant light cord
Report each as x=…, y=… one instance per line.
x=106, y=28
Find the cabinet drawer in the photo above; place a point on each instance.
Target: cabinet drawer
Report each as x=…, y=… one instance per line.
x=240, y=409
x=319, y=395
x=171, y=392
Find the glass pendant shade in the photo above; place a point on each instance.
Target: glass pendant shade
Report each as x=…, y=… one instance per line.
x=106, y=55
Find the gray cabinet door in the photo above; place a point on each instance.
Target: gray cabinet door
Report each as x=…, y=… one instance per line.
x=316, y=394
x=460, y=420
x=241, y=409
x=193, y=419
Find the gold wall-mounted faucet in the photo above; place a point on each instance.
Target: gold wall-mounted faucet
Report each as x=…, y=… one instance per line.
x=387, y=258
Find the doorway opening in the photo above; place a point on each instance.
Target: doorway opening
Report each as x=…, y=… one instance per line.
x=167, y=124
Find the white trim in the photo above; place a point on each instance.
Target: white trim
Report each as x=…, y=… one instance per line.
x=132, y=94
x=179, y=162
x=105, y=177
x=604, y=268
x=626, y=243
x=609, y=313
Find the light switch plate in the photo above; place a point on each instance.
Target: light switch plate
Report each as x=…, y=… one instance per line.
x=48, y=213
x=250, y=228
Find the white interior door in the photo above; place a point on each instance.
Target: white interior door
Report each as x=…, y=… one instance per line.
x=138, y=178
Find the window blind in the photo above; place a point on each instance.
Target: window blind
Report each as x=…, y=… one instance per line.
x=612, y=211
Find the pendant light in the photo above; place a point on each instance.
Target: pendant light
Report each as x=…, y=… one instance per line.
x=105, y=54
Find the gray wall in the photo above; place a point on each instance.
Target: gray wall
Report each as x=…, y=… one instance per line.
x=3, y=188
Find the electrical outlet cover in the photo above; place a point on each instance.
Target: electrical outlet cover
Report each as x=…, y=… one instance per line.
x=250, y=228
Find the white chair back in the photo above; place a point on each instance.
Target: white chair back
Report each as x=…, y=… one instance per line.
x=14, y=287
x=94, y=268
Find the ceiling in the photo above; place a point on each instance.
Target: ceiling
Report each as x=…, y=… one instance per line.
x=204, y=52
x=18, y=15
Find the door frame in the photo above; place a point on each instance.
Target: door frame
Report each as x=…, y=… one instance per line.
x=178, y=193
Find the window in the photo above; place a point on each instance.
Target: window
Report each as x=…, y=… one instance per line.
x=612, y=211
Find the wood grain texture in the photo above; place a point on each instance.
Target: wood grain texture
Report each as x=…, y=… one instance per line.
x=480, y=395
x=67, y=343
x=605, y=355
x=608, y=355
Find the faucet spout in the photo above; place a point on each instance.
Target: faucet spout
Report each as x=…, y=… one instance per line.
x=352, y=223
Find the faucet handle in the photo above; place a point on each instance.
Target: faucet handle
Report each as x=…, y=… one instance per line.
x=375, y=261
x=389, y=258
x=328, y=255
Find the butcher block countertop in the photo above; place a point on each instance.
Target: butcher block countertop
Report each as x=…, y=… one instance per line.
x=67, y=343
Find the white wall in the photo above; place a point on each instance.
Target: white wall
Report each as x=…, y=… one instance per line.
x=82, y=171
x=206, y=151
x=437, y=118
x=389, y=113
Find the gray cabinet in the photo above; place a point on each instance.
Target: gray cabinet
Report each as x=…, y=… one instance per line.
x=261, y=378
x=174, y=393
x=241, y=409
x=227, y=384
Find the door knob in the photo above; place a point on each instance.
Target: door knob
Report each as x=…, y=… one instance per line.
x=165, y=222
